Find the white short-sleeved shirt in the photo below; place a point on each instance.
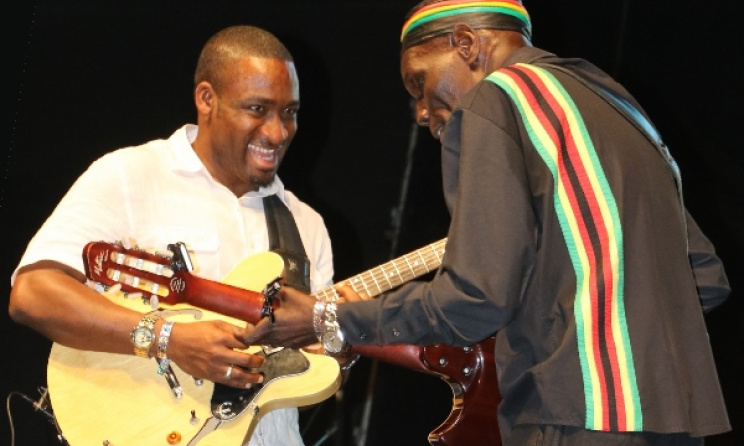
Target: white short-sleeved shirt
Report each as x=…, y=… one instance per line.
x=160, y=193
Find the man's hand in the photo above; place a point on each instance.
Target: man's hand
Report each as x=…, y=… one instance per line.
x=347, y=294
x=212, y=350
x=293, y=322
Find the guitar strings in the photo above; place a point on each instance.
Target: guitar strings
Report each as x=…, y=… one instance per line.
x=391, y=274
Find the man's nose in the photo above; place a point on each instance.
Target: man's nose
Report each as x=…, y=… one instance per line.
x=422, y=116
x=275, y=130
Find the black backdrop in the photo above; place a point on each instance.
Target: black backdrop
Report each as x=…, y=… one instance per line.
x=87, y=77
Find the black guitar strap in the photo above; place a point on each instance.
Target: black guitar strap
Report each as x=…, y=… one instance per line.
x=284, y=239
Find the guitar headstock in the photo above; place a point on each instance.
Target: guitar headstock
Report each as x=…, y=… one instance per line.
x=138, y=271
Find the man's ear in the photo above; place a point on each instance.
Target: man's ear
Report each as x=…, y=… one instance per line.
x=466, y=43
x=204, y=97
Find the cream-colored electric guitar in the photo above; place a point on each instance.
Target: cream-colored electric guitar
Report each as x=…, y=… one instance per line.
x=120, y=400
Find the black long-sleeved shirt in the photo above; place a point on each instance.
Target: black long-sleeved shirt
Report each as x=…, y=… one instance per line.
x=599, y=326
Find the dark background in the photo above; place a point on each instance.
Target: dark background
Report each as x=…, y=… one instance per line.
x=86, y=77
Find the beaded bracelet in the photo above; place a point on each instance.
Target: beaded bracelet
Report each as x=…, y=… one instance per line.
x=163, y=339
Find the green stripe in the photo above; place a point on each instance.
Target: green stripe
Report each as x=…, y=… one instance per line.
x=611, y=205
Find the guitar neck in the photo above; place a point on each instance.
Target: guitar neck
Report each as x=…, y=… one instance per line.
x=237, y=295
x=247, y=305
x=225, y=299
x=389, y=275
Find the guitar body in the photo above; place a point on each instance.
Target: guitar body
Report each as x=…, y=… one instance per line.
x=471, y=373
x=99, y=396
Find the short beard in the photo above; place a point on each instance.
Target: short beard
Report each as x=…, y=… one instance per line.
x=260, y=182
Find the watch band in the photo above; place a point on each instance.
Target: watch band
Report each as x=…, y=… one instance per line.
x=333, y=338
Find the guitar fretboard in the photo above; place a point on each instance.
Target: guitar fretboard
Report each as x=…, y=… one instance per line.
x=393, y=273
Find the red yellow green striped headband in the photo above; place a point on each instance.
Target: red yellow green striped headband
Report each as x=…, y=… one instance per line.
x=504, y=14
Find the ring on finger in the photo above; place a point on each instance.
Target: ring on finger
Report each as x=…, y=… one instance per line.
x=228, y=372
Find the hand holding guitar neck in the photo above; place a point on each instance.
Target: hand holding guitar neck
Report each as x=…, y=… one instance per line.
x=293, y=324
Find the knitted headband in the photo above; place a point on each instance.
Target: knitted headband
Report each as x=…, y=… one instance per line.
x=438, y=18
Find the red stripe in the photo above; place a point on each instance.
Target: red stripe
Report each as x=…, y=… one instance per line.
x=602, y=235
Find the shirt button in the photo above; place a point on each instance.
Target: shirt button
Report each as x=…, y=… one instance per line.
x=396, y=333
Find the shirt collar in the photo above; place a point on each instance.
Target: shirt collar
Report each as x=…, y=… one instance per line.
x=527, y=54
x=275, y=188
x=184, y=157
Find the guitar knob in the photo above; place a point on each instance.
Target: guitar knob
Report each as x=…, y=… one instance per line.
x=173, y=438
x=226, y=409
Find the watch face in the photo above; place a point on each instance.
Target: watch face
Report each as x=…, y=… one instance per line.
x=332, y=342
x=142, y=337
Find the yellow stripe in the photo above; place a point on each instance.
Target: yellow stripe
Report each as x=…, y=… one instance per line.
x=613, y=254
x=583, y=289
x=583, y=286
x=598, y=191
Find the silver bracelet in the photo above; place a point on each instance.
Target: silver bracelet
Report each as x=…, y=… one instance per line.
x=163, y=339
x=318, y=316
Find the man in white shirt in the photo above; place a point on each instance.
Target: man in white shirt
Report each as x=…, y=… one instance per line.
x=204, y=185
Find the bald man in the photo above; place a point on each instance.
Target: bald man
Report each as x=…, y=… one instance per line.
x=206, y=185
